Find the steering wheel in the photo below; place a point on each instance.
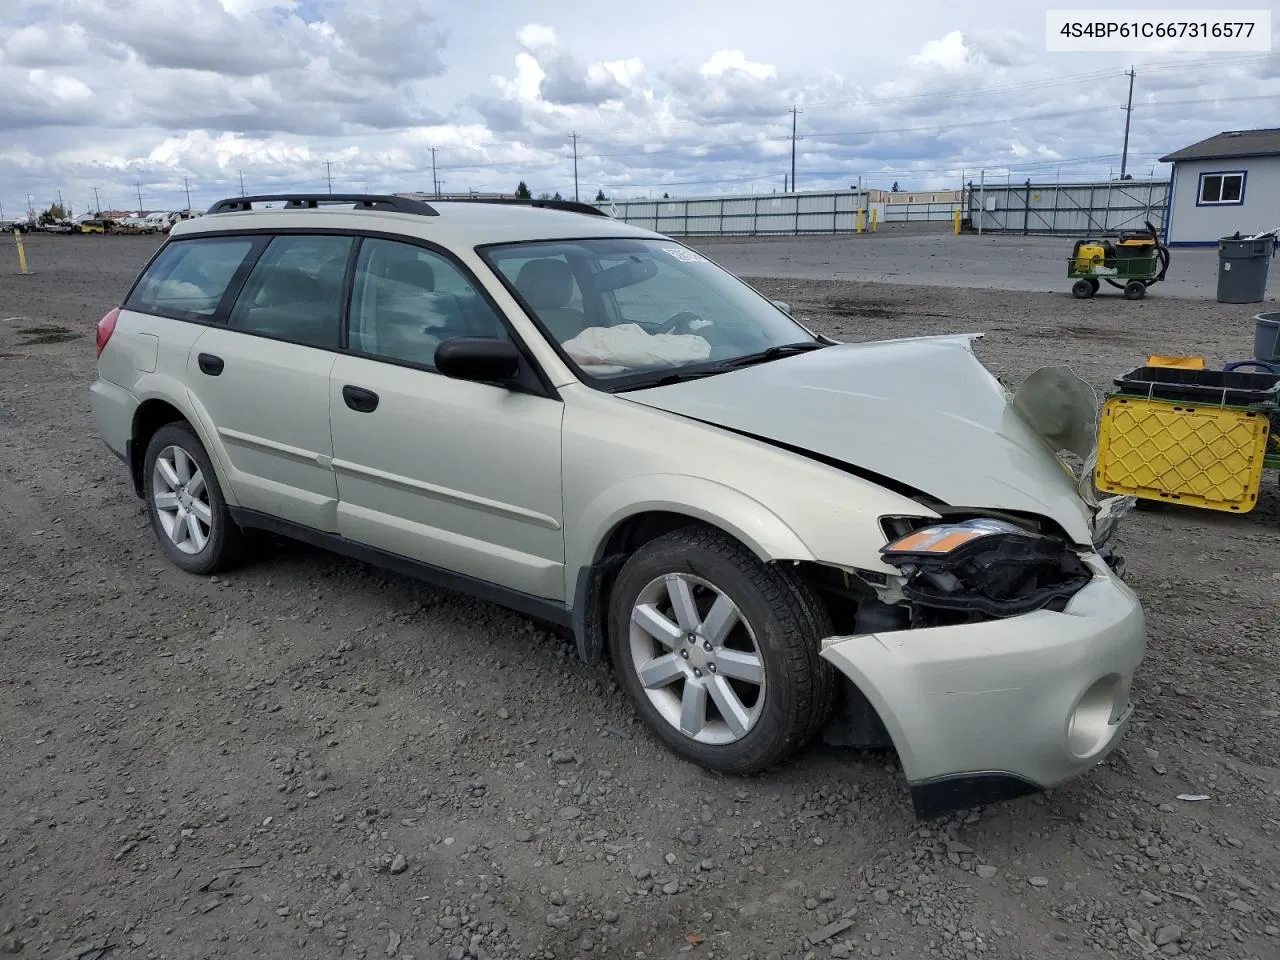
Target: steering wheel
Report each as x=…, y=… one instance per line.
x=680, y=322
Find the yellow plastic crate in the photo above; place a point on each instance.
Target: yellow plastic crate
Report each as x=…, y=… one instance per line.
x=1208, y=456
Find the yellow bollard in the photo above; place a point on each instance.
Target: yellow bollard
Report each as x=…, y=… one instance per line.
x=22, y=253
x=859, y=220
x=957, y=220
x=875, y=218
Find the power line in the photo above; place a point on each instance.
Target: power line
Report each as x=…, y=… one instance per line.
x=927, y=128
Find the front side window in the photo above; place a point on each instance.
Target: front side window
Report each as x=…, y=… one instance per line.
x=629, y=311
x=188, y=278
x=294, y=292
x=406, y=300
x=1226, y=188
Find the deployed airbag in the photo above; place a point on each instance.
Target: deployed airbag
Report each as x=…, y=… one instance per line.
x=628, y=346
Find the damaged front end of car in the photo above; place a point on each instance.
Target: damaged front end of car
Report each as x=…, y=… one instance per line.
x=960, y=603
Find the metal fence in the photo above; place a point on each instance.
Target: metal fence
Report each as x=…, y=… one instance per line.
x=1076, y=208
x=919, y=212
x=766, y=214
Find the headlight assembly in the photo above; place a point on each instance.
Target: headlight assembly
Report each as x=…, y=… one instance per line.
x=986, y=566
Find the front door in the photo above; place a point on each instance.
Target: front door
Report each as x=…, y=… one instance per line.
x=459, y=475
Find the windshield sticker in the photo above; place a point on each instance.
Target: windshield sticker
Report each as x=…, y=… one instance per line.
x=685, y=255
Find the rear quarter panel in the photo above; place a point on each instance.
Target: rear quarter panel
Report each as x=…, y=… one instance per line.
x=147, y=357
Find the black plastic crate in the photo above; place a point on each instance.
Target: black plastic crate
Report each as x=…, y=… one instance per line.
x=1202, y=386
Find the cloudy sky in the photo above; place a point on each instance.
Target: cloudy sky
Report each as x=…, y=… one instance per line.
x=685, y=97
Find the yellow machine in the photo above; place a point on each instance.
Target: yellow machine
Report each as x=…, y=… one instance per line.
x=93, y=226
x=1090, y=256
x=1132, y=261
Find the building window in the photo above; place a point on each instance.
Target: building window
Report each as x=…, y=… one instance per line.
x=1219, y=189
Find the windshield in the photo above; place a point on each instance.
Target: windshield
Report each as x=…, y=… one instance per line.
x=627, y=311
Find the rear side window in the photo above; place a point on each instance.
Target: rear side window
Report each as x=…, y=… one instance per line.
x=294, y=292
x=189, y=278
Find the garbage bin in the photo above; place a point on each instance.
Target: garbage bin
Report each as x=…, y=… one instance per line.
x=1266, y=337
x=1242, y=269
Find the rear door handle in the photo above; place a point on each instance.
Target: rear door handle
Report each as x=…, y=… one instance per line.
x=359, y=399
x=210, y=364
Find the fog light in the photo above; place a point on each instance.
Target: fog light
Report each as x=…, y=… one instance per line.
x=1090, y=726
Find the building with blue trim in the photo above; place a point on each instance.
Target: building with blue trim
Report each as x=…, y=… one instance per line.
x=1227, y=183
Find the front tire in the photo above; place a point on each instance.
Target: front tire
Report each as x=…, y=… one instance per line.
x=719, y=652
x=184, y=500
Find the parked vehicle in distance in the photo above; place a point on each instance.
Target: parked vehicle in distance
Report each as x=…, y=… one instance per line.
x=769, y=533
x=93, y=226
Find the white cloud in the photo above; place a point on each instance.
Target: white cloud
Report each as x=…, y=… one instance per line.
x=110, y=92
x=726, y=61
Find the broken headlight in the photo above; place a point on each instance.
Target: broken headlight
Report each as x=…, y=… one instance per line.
x=986, y=566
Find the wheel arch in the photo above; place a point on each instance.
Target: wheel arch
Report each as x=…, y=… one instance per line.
x=632, y=514
x=168, y=402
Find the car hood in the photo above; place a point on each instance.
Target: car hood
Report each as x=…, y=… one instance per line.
x=922, y=412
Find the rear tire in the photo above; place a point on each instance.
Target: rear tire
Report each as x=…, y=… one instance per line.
x=1083, y=289
x=1135, y=290
x=185, y=503
x=737, y=684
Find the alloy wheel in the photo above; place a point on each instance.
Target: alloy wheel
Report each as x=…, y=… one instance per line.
x=697, y=658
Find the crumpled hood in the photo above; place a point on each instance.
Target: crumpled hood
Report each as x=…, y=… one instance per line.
x=924, y=412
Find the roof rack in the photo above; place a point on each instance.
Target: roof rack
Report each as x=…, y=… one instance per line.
x=312, y=201
x=569, y=206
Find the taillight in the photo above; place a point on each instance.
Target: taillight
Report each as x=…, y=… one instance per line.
x=106, y=327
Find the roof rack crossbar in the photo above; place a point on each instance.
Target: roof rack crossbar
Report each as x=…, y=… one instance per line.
x=313, y=201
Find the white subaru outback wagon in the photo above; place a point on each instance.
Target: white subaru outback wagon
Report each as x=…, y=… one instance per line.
x=769, y=533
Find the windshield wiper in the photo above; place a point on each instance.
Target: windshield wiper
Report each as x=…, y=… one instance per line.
x=773, y=353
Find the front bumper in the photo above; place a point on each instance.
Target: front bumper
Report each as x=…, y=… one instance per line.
x=985, y=711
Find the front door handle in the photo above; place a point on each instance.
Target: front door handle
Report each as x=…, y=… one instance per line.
x=210, y=364
x=359, y=399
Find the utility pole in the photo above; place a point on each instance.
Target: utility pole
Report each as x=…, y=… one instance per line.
x=59, y=198
x=794, y=112
x=139, y=186
x=574, y=138
x=328, y=172
x=187, y=186
x=1128, y=113
x=435, y=181
x=97, y=204
x=31, y=212
x=242, y=183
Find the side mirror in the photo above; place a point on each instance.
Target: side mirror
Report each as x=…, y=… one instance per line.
x=483, y=359
x=782, y=305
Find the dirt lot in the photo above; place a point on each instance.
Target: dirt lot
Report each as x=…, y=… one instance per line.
x=310, y=758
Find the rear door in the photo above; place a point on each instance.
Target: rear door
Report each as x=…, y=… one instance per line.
x=459, y=475
x=262, y=378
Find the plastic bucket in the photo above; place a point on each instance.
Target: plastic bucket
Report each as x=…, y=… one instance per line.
x=1266, y=337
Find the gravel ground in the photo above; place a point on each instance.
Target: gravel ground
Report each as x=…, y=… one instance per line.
x=312, y=758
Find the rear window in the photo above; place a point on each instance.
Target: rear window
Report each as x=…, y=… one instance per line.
x=189, y=277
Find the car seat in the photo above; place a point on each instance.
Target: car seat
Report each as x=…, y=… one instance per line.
x=547, y=286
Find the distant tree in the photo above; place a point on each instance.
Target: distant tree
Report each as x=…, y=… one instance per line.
x=522, y=191
x=666, y=196
x=55, y=212
x=894, y=188
x=557, y=196
x=600, y=197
